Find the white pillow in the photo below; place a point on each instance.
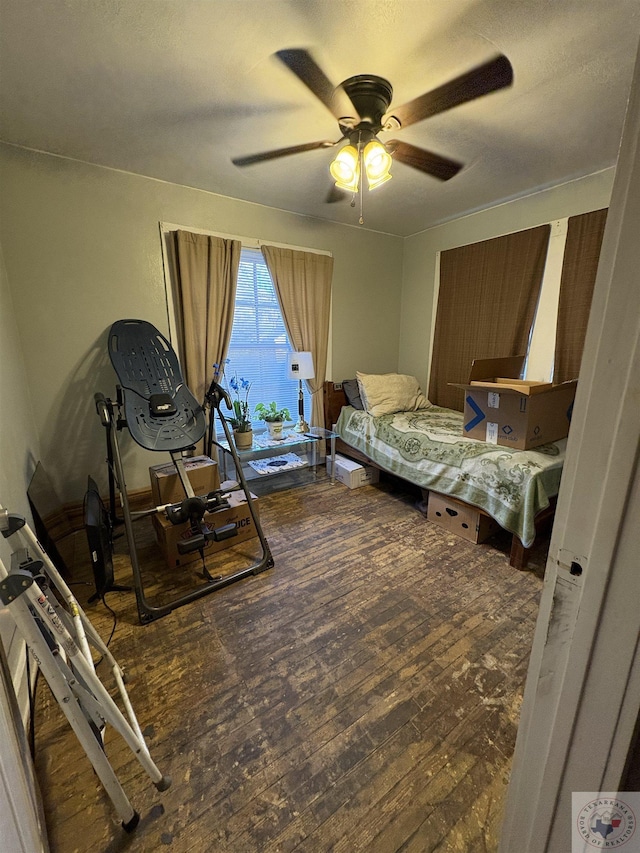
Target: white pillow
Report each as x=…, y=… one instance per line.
x=385, y=393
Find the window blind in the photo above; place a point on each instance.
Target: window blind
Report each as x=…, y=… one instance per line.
x=487, y=301
x=259, y=346
x=579, y=269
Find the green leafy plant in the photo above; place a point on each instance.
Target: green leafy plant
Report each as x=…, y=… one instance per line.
x=272, y=413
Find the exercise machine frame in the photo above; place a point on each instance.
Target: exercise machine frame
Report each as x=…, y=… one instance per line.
x=111, y=419
x=161, y=414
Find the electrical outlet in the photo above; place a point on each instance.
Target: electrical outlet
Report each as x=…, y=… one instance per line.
x=337, y=386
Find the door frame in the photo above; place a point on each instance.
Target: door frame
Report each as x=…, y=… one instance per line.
x=582, y=695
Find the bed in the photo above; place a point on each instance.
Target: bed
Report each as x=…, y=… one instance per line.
x=426, y=447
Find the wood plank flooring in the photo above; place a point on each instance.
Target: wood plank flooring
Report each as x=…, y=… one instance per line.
x=362, y=695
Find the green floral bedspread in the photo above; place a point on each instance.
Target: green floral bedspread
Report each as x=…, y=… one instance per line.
x=427, y=448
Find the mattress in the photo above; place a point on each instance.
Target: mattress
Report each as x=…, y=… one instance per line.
x=427, y=448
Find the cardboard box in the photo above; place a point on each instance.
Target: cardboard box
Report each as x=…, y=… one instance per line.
x=166, y=487
x=168, y=535
x=501, y=409
x=460, y=518
x=351, y=473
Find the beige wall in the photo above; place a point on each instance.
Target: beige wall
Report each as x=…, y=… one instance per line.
x=18, y=454
x=18, y=438
x=421, y=250
x=82, y=249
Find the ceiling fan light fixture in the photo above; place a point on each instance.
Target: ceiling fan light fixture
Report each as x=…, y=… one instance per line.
x=362, y=106
x=377, y=164
x=374, y=183
x=345, y=169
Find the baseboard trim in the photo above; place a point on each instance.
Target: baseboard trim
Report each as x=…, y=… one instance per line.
x=139, y=499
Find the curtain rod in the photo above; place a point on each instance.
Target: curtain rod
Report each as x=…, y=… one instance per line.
x=247, y=242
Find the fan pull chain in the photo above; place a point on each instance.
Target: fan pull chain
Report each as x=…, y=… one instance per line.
x=361, y=181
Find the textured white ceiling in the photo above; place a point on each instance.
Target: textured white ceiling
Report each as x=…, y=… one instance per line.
x=173, y=89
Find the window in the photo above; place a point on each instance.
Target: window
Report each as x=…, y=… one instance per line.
x=260, y=345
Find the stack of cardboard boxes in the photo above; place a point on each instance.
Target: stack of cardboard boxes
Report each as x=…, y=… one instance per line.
x=166, y=488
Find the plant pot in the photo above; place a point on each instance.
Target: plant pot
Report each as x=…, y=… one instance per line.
x=243, y=440
x=276, y=429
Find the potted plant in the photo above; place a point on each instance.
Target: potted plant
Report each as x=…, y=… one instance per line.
x=241, y=418
x=274, y=418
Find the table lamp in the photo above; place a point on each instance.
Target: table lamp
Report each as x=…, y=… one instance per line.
x=301, y=367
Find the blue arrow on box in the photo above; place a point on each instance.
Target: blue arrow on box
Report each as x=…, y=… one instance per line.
x=480, y=415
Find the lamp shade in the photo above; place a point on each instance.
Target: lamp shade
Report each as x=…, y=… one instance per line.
x=377, y=162
x=300, y=365
x=345, y=169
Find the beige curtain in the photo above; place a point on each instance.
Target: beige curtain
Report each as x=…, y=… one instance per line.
x=207, y=274
x=579, y=268
x=302, y=281
x=486, y=305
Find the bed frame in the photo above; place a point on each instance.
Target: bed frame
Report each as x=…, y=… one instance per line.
x=335, y=398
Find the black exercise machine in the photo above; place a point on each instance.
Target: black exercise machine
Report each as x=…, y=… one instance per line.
x=162, y=415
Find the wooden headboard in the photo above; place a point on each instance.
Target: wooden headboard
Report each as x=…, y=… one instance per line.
x=334, y=399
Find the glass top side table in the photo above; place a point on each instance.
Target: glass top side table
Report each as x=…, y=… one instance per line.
x=264, y=447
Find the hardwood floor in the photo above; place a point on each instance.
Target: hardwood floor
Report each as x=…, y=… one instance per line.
x=363, y=695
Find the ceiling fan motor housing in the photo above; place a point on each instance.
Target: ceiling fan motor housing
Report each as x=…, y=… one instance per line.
x=371, y=96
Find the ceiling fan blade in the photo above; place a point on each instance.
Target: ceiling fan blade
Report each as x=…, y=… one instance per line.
x=309, y=72
x=426, y=161
x=280, y=152
x=488, y=77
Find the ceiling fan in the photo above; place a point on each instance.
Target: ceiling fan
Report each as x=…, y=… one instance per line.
x=362, y=107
